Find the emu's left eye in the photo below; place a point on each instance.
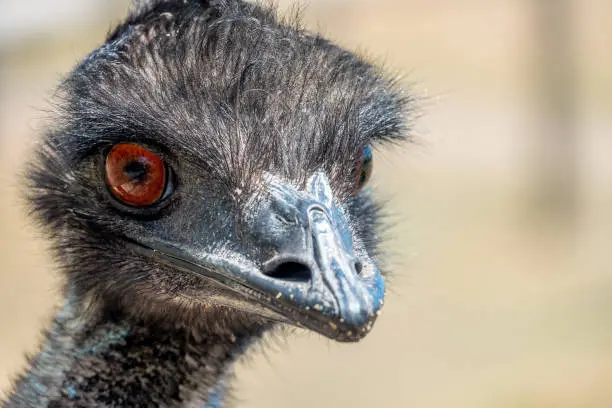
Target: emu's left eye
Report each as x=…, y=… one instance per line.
x=135, y=175
x=363, y=171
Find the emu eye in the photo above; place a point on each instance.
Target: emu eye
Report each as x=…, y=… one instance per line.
x=363, y=171
x=135, y=175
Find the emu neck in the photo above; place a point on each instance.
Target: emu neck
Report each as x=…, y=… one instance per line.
x=113, y=361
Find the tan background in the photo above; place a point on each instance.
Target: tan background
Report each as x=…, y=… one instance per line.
x=502, y=221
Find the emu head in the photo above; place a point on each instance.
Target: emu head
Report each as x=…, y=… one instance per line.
x=207, y=166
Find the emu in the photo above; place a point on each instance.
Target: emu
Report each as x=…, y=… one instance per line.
x=202, y=183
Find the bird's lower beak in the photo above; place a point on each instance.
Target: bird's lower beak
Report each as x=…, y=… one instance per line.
x=316, y=278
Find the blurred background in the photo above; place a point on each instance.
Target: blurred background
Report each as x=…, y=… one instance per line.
x=502, y=211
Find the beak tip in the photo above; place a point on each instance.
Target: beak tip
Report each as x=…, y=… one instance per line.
x=354, y=332
x=356, y=320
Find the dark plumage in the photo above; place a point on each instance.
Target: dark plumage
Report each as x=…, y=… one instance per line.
x=262, y=128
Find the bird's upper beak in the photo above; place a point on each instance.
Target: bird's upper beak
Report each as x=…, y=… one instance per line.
x=314, y=275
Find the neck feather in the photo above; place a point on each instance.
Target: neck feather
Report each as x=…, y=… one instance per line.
x=102, y=359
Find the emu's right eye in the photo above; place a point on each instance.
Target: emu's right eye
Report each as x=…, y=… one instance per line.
x=363, y=169
x=135, y=175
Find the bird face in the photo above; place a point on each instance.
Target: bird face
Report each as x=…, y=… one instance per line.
x=288, y=251
x=216, y=159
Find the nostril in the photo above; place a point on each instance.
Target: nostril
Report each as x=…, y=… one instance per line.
x=358, y=267
x=291, y=271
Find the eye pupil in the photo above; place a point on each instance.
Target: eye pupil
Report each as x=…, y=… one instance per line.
x=136, y=170
x=135, y=175
x=363, y=177
x=363, y=169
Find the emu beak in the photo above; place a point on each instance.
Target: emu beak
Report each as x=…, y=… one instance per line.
x=317, y=271
x=317, y=278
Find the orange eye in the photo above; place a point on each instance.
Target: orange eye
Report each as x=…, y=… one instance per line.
x=363, y=171
x=135, y=175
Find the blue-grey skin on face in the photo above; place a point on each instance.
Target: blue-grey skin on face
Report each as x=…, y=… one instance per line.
x=317, y=275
